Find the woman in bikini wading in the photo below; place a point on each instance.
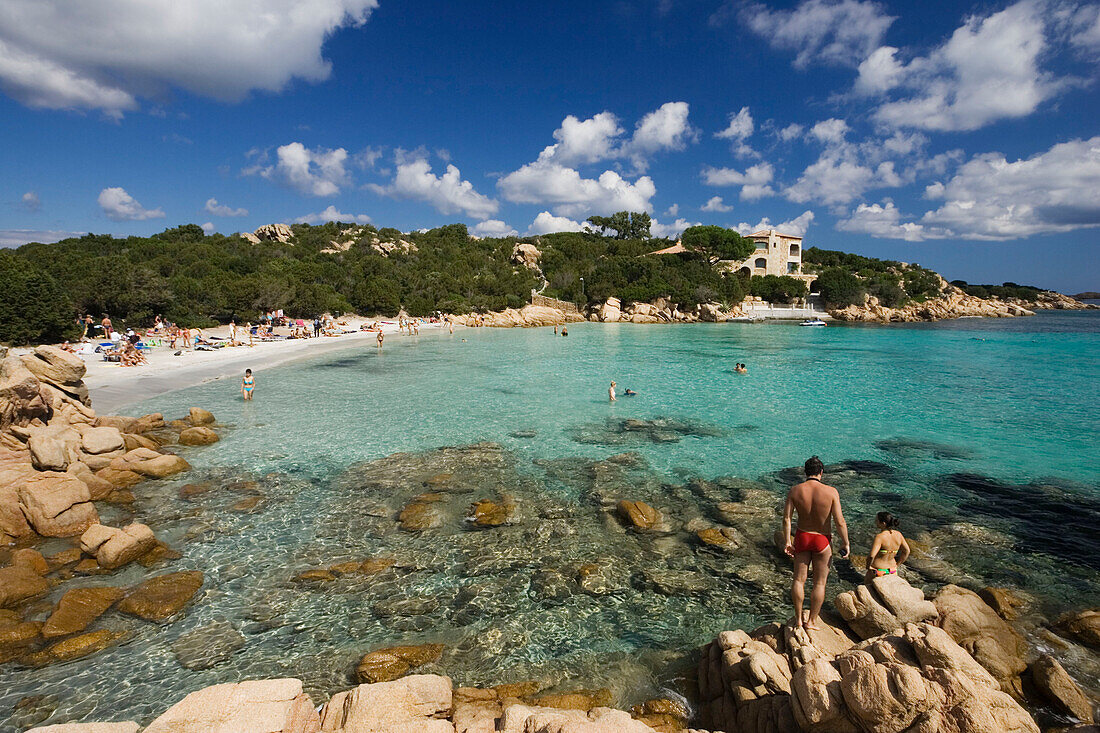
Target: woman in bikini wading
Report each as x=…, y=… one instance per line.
x=889, y=548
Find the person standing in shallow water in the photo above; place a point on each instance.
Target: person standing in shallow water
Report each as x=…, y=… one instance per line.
x=248, y=384
x=611, y=392
x=817, y=505
x=380, y=337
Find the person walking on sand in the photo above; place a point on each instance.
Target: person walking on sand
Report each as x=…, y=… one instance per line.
x=817, y=506
x=248, y=384
x=889, y=548
x=611, y=392
x=106, y=323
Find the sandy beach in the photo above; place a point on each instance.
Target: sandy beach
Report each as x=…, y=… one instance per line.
x=113, y=386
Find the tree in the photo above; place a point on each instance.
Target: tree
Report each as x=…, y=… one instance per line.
x=33, y=308
x=625, y=224
x=778, y=288
x=717, y=243
x=840, y=288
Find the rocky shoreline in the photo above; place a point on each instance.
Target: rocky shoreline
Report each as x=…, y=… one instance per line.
x=958, y=660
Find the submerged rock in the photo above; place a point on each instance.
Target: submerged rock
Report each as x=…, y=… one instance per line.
x=383, y=665
x=1059, y=689
x=1082, y=627
x=160, y=598
x=78, y=608
x=208, y=646
x=638, y=514
x=488, y=513
x=198, y=436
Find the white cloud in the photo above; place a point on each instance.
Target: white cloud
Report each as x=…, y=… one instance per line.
x=448, y=193
x=797, y=226
x=832, y=180
x=673, y=210
x=367, y=157
x=494, y=228
x=665, y=128
x=585, y=141
x=670, y=231
x=332, y=214
x=715, y=203
x=213, y=207
x=547, y=223
x=990, y=198
x=792, y=131
x=121, y=206
x=568, y=194
x=840, y=32
x=30, y=201
x=313, y=172
x=740, y=126
x=581, y=142
x=208, y=228
x=105, y=55
x=830, y=131
x=987, y=71
x=754, y=181
x=881, y=221
x=18, y=237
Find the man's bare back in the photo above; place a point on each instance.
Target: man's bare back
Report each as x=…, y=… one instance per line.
x=817, y=505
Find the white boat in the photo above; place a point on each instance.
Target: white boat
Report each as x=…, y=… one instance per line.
x=813, y=322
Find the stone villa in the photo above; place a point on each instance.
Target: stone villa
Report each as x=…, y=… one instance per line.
x=776, y=254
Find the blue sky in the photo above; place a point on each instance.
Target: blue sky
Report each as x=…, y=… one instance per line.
x=962, y=136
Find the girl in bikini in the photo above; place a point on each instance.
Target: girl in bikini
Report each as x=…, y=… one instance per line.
x=889, y=548
x=247, y=385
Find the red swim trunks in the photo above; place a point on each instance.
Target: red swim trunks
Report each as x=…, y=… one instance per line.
x=810, y=541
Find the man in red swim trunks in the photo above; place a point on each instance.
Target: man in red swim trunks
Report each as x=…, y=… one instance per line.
x=817, y=506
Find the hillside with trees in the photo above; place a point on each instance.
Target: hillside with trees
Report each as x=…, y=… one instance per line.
x=195, y=279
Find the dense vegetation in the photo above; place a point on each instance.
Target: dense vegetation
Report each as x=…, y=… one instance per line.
x=1003, y=291
x=198, y=280
x=848, y=279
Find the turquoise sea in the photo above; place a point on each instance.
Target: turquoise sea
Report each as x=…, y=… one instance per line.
x=980, y=434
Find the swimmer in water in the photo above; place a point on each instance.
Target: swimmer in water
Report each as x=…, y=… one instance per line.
x=630, y=393
x=611, y=392
x=248, y=384
x=740, y=369
x=564, y=331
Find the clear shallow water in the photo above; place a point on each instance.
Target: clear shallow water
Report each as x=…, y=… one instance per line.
x=979, y=433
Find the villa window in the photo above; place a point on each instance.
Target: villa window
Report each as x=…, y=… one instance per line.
x=761, y=263
x=761, y=245
x=792, y=268
x=795, y=250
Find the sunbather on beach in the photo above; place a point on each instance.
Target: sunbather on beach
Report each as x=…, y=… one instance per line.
x=889, y=548
x=817, y=506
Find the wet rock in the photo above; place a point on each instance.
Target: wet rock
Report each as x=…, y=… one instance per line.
x=383, y=665
x=65, y=557
x=160, y=554
x=247, y=505
x=1004, y=601
x=17, y=637
x=584, y=700
x=120, y=479
x=419, y=703
x=488, y=513
x=1082, y=627
x=31, y=560
x=199, y=416
x=75, y=647
x=418, y=516
x=662, y=714
x=638, y=514
x=208, y=646
x=376, y=565
x=32, y=710
x=977, y=628
x=78, y=608
x=57, y=504
x=134, y=441
x=198, y=436
x=600, y=578
x=190, y=491
x=120, y=496
x=160, y=598
x=315, y=575
x=19, y=585
x=345, y=568
x=271, y=706
x=524, y=434
x=726, y=539
x=1060, y=690
x=550, y=585
x=127, y=727
x=677, y=582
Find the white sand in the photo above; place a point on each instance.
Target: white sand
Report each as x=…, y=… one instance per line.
x=113, y=386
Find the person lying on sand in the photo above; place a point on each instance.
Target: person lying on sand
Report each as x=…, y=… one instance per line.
x=818, y=506
x=889, y=548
